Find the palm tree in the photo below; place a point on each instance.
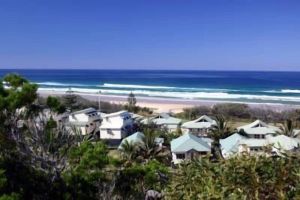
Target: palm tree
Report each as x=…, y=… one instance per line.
x=288, y=129
x=128, y=150
x=150, y=149
x=219, y=130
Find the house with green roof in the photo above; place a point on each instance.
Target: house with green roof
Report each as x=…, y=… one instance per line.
x=259, y=129
x=254, y=137
x=199, y=127
x=188, y=146
x=164, y=120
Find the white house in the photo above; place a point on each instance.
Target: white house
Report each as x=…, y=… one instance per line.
x=164, y=120
x=256, y=136
x=188, y=146
x=86, y=120
x=116, y=126
x=199, y=127
x=259, y=129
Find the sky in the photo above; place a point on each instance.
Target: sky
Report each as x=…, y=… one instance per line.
x=150, y=34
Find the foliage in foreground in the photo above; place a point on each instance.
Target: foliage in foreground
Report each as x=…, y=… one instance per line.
x=244, y=177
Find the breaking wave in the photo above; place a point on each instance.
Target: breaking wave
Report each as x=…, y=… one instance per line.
x=182, y=95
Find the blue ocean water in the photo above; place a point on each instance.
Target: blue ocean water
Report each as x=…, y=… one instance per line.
x=244, y=86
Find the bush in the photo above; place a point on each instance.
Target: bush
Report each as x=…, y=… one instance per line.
x=242, y=177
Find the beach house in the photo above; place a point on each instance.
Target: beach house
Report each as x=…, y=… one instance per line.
x=259, y=129
x=199, y=127
x=164, y=120
x=254, y=137
x=116, y=126
x=87, y=120
x=188, y=146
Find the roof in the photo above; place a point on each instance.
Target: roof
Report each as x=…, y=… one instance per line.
x=284, y=142
x=85, y=111
x=134, y=138
x=188, y=142
x=163, y=119
x=259, y=127
x=136, y=116
x=116, y=113
x=231, y=143
x=202, y=122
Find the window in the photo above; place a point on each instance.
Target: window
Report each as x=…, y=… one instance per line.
x=110, y=132
x=180, y=156
x=255, y=149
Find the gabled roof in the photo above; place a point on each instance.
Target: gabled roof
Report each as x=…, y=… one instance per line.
x=134, y=138
x=231, y=143
x=259, y=127
x=188, y=142
x=284, y=142
x=202, y=122
x=116, y=113
x=162, y=119
x=85, y=111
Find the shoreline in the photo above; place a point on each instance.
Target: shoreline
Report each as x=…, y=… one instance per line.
x=159, y=104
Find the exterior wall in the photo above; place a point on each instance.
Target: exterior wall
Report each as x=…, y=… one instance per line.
x=79, y=118
x=111, y=134
x=91, y=122
x=124, y=122
x=188, y=155
x=196, y=131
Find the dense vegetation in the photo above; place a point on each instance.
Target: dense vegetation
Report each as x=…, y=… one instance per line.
x=241, y=112
x=41, y=160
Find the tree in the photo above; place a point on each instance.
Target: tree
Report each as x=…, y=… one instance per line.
x=54, y=104
x=86, y=175
x=135, y=180
x=70, y=101
x=288, y=128
x=218, y=131
x=129, y=150
x=149, y=149
x=15, y=80
x=131, y=102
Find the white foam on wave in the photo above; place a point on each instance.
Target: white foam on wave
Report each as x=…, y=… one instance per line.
x=183, y=95
x=61, y=84
x=111, y=85
x=291, y=91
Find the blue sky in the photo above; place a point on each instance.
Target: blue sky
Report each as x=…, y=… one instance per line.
x=150, y=34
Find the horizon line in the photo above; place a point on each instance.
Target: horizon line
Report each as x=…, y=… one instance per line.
x=133, y=69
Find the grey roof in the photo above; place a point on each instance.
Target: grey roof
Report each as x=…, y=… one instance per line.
x=85, y=111
x=134, y=138
x=188, y=142
x=284, y=142
x=163, y=119
x=202, y=122
x=116, y=113
x=259, y=127
x=231, y=143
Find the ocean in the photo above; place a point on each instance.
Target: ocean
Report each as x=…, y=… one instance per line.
x=237, y=86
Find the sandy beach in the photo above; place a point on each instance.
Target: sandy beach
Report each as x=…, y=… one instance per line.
x=167, y=104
